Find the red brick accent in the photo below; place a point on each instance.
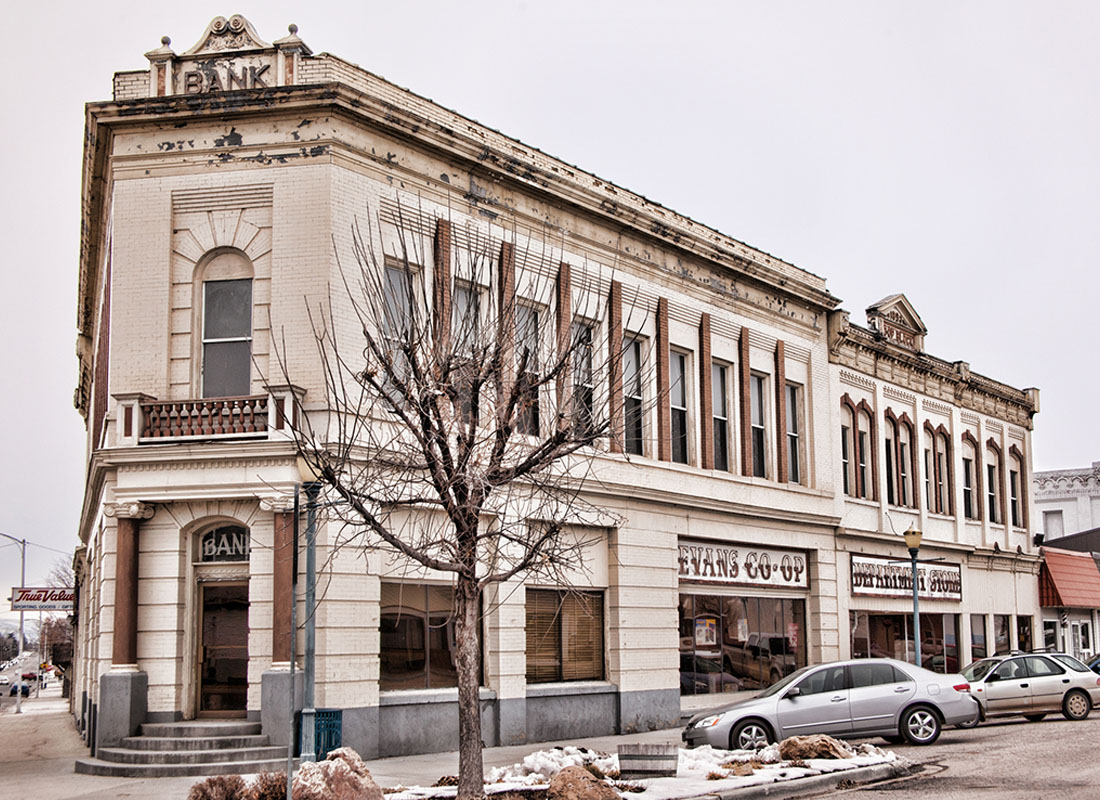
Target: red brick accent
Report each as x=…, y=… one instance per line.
x=744, y=372
x=565, y=323
x=664, y=418
x=124, y=648
x=615, y=366
x=161, y=69
x=282, y=585
x=948, y=478
x=441, y=284
x=506, y=316
x=780, y=413
x=979, y=497
x=706, y=395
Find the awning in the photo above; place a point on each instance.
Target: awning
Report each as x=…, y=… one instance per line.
x=1068, y=580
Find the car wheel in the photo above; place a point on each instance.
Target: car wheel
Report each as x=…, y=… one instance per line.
x=920, y=725
x=750, y=734
x=1035, y=717
x=971, y=723
x=1076, y=705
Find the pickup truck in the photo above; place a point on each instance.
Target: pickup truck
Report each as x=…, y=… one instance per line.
x=760, y=660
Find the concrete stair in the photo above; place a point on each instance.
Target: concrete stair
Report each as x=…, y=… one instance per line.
x=197, y=748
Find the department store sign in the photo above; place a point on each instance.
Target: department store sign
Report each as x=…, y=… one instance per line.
x=738, y=565
x=885, y=577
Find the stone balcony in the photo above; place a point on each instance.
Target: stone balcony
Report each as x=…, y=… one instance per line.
x=142, y=419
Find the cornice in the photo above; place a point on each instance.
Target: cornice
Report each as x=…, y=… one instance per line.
x=479, y=149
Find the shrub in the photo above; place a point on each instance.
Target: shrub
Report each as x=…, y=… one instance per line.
x=268, y=786
x=220, y=787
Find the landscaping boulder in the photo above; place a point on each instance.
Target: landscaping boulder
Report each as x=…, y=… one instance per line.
x=342, y=776
x=816, y=746
x=577, y=783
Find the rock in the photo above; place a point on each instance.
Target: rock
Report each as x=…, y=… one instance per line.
x=342, y=776
x=577, y=783
x=816, y=746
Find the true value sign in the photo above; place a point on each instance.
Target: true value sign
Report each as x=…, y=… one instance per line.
x=42, y=598
x=742, y=565
x=883, y=577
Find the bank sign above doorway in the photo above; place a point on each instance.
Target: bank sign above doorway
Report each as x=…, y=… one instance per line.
x=885, y=577
x=742, y=565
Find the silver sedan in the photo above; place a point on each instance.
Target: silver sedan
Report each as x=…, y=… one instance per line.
x=863, y=697
x=1034, y=685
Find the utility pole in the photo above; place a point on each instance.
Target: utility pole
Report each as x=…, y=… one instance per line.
x=22, y=582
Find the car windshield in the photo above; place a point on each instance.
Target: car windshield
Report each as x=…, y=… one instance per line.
x=780, y=685
x=979, y=669
x=1070, y=661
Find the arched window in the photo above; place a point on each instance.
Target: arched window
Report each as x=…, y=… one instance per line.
x=865, y=453
x=993, y=491
x=847, y=450
x=224, y=282
x=971, y=477
x=899, y=463
x=945, y=502
x=1017, y=497
x=857, y=449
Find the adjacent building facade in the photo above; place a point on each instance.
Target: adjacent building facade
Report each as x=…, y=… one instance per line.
x=1068, y=500
x=778, y=452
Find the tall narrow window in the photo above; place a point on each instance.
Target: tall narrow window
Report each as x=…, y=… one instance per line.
x=1014, y=496
x=584, y=387
x=227, y=338
x=718, y=375
x=846, y=447
x=527, y=360
x=905, y=454
x=929, y=470
x=634, y=433
x=794, y=409
x=944, y=478
x=863, y=456
x=677, y=400
x=465, y=317
x=891, y=440
x=968, y=487
x=993, y=494
x=759, y=431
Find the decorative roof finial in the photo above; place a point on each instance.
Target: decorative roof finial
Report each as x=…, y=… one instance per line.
x=293, y=29
x=165, y=40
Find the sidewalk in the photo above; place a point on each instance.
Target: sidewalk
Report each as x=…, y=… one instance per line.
x=39, y=746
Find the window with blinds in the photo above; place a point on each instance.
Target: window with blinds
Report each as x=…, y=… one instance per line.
x=564, y=636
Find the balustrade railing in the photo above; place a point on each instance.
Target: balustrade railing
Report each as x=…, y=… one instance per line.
x=221, y=416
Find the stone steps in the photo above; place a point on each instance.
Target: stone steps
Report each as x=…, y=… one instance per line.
x=193, y=748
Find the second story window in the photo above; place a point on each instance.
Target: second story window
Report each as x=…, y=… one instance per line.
x=465, y=318
x=758, y=429
x=846, y=447
x=794, y=416
x=227, y=338
x=968, y=487
x=634, y=431
x=993, y=494
x=584, y=386
x=720, y=400
x=527, y=362
x=677, y=400
x=1014, y=496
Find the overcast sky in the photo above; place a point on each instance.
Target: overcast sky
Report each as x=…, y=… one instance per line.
x=947, y=150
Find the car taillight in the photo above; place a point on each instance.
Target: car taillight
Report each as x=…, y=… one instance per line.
x=961, y=687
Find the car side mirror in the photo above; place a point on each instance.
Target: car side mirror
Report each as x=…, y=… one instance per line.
x=993, y=676
x=793, y=692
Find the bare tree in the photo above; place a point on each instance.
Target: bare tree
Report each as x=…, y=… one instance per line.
x=464, y=418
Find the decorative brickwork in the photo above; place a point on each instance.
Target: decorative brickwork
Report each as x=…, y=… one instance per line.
x=706, y=395
x=506, y=318
x=744, y=372
x=780, y=413
x=615, y=366
x=664, y=420
x=565, y=323
x=441, y=283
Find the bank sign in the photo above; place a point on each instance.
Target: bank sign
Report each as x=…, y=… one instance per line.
x=884, y=577
x=42, y=598
x=743, y=565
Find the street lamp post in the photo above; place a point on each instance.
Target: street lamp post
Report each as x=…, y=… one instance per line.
x=22, y=580
x=912, y=541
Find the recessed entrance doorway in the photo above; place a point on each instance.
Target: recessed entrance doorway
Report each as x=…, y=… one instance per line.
x=223, y=650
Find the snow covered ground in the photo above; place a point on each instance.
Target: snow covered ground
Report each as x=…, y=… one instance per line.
x=691, y=780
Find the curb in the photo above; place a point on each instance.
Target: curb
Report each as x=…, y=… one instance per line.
x=814, y=784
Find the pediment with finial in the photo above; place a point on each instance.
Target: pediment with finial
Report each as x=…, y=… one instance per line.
x=234, y=33
x=896, y=320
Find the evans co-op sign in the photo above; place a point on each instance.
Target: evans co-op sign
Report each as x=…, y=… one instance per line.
x=42, y=598
x=743, y=565
x=882, y=577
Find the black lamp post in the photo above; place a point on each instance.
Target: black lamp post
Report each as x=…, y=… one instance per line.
x=912, y=541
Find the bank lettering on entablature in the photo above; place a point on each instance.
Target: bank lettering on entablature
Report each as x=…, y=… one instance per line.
x=742, y=565
x=230, y=56
x=873, y=576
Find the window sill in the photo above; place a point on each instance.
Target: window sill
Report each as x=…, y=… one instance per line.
x=569, y=688
x=861, y=501
x=944, y=517
x=412, y=697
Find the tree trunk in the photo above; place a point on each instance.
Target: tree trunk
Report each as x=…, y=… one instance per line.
x=471, y=771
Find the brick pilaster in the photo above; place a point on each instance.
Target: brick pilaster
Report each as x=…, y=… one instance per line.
x=564, y=324
x=664, y=418
x=615, y=366
x=706, y=395
x=743, y=373
x=441, y=285
x=506, y=316
x=780, y=413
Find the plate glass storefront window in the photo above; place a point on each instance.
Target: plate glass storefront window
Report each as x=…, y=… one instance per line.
x=891, y=636
x=1001, y=633
x=728, y=644
x=977, y=637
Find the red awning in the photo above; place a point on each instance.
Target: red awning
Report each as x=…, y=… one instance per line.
x=1068, y=579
